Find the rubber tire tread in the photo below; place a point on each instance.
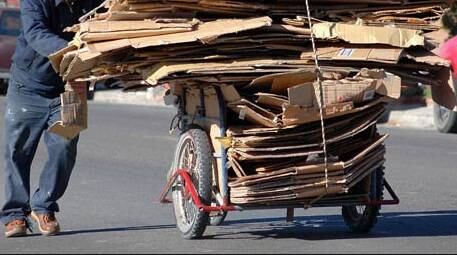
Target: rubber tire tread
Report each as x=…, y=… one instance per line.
x=371, y=213
x=450, y=126
x=203, y=168
x=217, y=220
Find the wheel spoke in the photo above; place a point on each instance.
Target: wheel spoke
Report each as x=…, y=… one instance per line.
x=187, y=208
x=193, y=155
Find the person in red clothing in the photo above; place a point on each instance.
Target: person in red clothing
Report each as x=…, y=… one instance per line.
x=448, y=49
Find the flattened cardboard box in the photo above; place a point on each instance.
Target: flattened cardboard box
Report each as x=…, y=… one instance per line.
x=300, y=137
x=359, y=34
x=88, y=56
x=371, y=53
x=339, y=129
x=204, y=33
x=338, y=145
x=309, y=168
x=296, y=182
x=302, y=188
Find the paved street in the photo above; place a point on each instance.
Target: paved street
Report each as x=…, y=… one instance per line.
x=112, y=203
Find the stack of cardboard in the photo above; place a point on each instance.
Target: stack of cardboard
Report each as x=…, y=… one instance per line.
x=171, y=41
x=259, y=54
x=280, y=157
x=306, y=179
x=287, y=99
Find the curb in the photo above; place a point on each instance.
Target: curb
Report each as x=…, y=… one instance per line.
x=404, y=116
x=412, y=116
x=149, y=97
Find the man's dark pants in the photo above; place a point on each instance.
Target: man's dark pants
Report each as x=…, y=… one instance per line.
x=27, y=117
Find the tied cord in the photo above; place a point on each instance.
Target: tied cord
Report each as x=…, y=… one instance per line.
x=94, y=11
x=320, y=102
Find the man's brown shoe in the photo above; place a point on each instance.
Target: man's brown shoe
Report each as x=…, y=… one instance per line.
x=16, y=228
x=47, y=223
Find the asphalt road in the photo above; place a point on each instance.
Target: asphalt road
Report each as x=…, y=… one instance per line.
x=112, y=204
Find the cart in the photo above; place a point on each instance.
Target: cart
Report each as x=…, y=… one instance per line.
x=198, y=178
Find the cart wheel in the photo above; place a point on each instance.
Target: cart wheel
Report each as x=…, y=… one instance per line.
x=3, y=87
x=445, y=119
x=361, y=219
x=217, y=218
x=193, y=154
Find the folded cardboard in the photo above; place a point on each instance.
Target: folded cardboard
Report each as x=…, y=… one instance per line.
x=74, y=111
x=360, y=34
x=309, y=180
x=356, y=53
x=267, y=137
x=118, y=26
x=205, y=32
x=272, y=101
x=301, y=106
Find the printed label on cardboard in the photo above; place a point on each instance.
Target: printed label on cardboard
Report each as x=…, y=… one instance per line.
x=346, y=52
x=242, y=115
x=368, y=95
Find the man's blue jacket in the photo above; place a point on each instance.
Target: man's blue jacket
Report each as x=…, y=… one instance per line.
x=43, y=22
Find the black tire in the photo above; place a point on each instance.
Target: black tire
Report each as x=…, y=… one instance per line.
x=194, y=154
x=445, y=119
x=217, y=218
x=90, y=93
x=361, y=219
x=3, y=87
x=385, y=116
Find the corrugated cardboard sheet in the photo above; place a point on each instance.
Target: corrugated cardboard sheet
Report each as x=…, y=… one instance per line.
x=131, y=39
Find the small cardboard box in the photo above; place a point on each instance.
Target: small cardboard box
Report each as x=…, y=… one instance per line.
x=354, y=90
x=361, y=88
x=73, y=111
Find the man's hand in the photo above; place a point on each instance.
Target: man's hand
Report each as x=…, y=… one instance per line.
x=77, y=42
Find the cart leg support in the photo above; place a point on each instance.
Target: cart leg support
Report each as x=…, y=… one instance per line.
x=290, y=215
x=394, y=201
x=190, y=189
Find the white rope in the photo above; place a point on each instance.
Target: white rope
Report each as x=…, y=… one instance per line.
x=321, y=94
x=92, y=12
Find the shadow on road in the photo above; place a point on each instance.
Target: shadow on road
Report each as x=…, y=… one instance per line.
x=325, y=227
x=331, y=227
x=119, y=229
